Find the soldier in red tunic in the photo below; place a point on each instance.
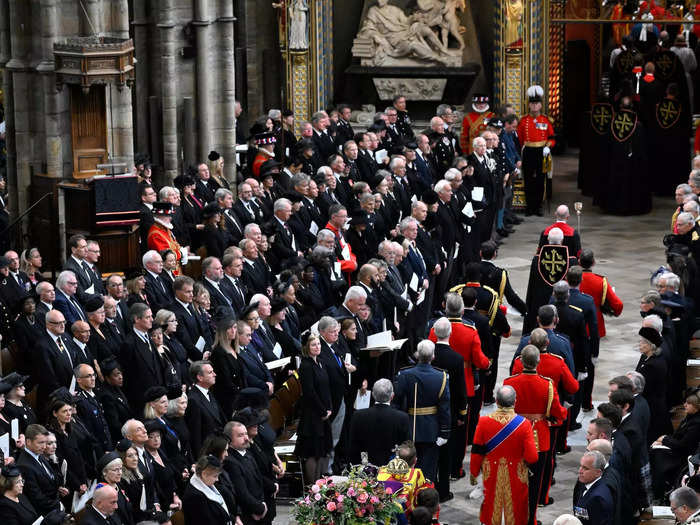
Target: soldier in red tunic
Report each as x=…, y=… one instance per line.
x=606, y=301
x=538, y=401
x=536, y=136
x=465, y=341
x=503, y=444
x=265, y=143
x=160, y=235
x=474, y=122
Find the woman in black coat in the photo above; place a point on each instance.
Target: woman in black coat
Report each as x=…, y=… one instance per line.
x=667, y=463
x=27, y=327
x=214, y=238
x=15, y=507
x=68, y=448
x=202, y=501
x=230, y=378
x=101, y=346
x=15, y=405
x=175, y=419
x=315, y=440
x=654, y=369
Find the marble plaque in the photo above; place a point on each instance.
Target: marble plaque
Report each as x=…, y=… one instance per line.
x=411, y=88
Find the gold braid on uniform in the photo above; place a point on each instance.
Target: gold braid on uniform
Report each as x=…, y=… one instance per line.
x=503, y=497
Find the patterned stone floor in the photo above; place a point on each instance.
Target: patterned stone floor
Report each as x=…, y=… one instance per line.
x=628, y=249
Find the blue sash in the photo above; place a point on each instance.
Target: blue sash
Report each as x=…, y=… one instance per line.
x=504, y=433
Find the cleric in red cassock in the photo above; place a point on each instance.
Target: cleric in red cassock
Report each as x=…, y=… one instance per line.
x=160, y=235
x=504, y=442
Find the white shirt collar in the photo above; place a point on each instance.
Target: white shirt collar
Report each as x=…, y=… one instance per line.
x=155, y=275
x=185, y=305
x=589, y=485
x=80, y=344
x=203, y=391
x=104, y=516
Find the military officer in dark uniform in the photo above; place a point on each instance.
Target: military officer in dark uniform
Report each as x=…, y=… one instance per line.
x=5, y=309
x=89, y=408
x=424, y=392
x=403, y=120
x=343, y=130
x=497, y=278
x=441, y=146
x=688, y=234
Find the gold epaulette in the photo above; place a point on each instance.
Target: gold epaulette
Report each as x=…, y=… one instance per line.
x=575, y=308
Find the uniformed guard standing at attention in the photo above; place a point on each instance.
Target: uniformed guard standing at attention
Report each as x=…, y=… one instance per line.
x=441, y=144
x=536, y=136
x=424, y=392
x=537, y=401
x=503, y=444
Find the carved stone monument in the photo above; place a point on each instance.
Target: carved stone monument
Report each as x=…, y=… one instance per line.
x=417, y=48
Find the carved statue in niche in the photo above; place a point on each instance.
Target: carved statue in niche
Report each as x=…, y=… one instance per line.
x=514, y=23
x=389, y=36
x=298, y=25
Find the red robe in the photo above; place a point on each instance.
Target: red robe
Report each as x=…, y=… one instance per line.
x=504, y=472
x=599, y=288
x=472, y=126
x=161, y=238
x=348, y=265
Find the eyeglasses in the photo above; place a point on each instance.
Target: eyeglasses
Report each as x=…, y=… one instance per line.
x=56, y=322
x=88, y=376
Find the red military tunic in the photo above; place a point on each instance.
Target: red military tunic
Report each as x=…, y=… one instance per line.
x=161, y=238
x=598, y=287
x=535, y=132
x=472, y=126
x=503, y=470
x=537, y=400
x=465, y=341
x=552, y=367
x=262, y=157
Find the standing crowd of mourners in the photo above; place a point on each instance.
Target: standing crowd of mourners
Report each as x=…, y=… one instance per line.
x=143, y=397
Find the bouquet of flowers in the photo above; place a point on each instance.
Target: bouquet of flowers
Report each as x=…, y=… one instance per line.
x=355, y=500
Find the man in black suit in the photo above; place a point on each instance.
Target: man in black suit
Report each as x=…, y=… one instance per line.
x=78, y=344
x=146, y=220
x=142, y=367
x=366, y=164
x=213, y=274
x=252, y=274
x=41, y=486
x=104, y=504
x=203, y=415
x=245, y=208
x=135, y=431
x=593, y=502
x=46, y=296
x=451, y=456
x=76, y=263
x=231, y=284
x=252, y=488
x=115, y=289
x=234, y=225
x=284, y=248
x=190, y=332
x=204, y=187
x=322, y=140
x=16, y=284
x=91, y=259
x=378, y=429
x=111, y=326
x=157, y=292
x=53, y=359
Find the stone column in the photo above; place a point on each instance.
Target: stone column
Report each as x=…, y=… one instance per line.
x=18, y=67
x=5, y=55
x=203, y=24
x=121, y=102
x=54, y=138
x=169, y=87
x=90, y=17
x=228, y=84
x=140, y=24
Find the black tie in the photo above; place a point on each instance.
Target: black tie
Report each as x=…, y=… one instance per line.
x=78, y=308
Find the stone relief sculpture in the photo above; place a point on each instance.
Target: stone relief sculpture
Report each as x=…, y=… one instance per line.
x=298, y=26
x=389, y=36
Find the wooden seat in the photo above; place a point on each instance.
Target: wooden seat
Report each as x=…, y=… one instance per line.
x=178, y=518
x=692, y=374
x=7, y=361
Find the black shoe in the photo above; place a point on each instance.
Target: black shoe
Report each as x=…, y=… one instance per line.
x=564, y=450
x=446, y=497
x=539, y=213
x=554, y=482
x=574, y=426
x=528, y=214
x=509, y=229
x=517, y=220
x=588, y=408
x=503, y=233
x=548, y=503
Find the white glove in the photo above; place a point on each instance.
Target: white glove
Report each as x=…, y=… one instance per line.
x=594, y=360
x=582, y=376
x=545, y=151
x=410, y=306
x=566, y=404
x=440, y=441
